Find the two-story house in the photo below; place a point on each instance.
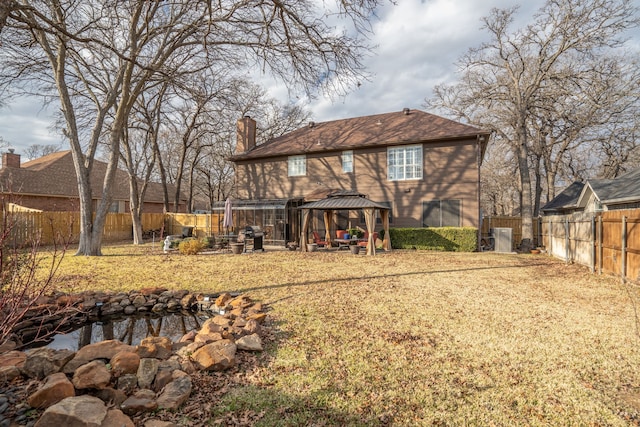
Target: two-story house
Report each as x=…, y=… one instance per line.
x=424, y=167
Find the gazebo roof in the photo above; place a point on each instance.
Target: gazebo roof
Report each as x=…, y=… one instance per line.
x=345, y=200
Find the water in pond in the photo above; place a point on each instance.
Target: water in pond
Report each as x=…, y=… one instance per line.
x=129, y=329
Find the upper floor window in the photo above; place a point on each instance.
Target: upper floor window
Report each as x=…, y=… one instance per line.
x=347, y=161
x=297, y=165
x=404, y=162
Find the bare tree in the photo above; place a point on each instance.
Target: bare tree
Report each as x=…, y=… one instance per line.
x=97, y=58
x=38, y=150
x=505, y=81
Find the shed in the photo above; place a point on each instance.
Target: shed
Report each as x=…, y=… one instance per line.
x=347, y=200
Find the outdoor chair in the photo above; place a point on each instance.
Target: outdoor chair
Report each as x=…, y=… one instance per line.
x=318, y=241
x=363, y=242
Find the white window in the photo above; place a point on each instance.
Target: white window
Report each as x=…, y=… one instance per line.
x=404, y=162
x=347, y=161
x=297, y=165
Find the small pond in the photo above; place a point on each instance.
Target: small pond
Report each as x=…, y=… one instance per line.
x=129, y=329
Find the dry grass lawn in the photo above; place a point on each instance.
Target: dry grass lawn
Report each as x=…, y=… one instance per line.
x=411, y=338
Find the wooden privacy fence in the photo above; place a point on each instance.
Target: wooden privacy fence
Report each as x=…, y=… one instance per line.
x=47, y=226
x=606, y=242
x=513, y=222
x=199, y=225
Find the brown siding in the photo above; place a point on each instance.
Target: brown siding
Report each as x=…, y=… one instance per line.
x=450, y=172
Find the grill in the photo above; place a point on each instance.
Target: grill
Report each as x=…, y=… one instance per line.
x=252, y=237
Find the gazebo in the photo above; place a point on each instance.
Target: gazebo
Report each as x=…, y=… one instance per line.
x=347, y=200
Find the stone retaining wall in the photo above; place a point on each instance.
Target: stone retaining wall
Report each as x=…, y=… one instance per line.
x=105, y=383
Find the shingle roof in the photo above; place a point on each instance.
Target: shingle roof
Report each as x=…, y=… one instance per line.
x=367, y=131
x=54, y=175
x=623, y=189
x=567, y=199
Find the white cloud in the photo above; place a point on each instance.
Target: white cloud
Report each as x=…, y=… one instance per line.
x=418, y=42
x=26, y=121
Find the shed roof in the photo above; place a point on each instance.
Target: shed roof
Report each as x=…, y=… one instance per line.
x=400, y=127
x=567, y=199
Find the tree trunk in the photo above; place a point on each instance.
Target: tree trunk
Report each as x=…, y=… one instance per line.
x=538, y=189
x=526, y=209
x=135, y=202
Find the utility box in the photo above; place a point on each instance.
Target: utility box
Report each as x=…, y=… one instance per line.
x=503, y=238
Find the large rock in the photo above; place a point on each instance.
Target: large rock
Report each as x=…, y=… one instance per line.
x=55, y=388
x=241, y=301
x=259, y=317
x=78, y=411
x=188, y=350
x=207, y=338
x=100, y=350
x=116, y=418
x=223, y=299
x=251, y=342
x=110, y=396
x=10, y=364
x=188, y=301
x=147, y=372
x=13, y=358
x=220, y=320
x=128, y=383
x=175, y=393
x=216, y=356
x=210, y=326
x=125, y=362
x=142, y=401
x=252, y=327
x=44, y=361
x=8, y=374
x=92, y=375
x=156, y=347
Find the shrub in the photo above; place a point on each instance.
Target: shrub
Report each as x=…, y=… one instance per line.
x=191, y=246
x=455, y=239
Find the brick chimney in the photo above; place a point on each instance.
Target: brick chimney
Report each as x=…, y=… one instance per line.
x=10, y=159
x=246, y=135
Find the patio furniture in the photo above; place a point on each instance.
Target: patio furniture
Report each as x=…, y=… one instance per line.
x=363, y=242
x=345, y=243
x=318, y=241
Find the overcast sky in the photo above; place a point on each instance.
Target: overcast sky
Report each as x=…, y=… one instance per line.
x=418, y=42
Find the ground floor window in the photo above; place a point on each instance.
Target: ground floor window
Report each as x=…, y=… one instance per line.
x=441, y=213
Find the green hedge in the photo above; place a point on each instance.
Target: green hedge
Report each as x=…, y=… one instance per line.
x=456, y=239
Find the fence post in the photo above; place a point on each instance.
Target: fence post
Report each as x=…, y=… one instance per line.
x=550, y=249
x=566, y=240
x=600, y=251
x=623, y=267
x=593, y=245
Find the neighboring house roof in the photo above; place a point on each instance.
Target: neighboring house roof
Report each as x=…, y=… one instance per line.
x=623, y=189
x=54, y=175
x=400, y=127
x=567, y=199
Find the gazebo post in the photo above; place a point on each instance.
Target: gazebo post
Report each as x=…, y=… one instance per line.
x=306, y=217
x=386, y=242
x=370, y=220
x=328, y=224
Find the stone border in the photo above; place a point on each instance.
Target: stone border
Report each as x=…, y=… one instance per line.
x=106, y=383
